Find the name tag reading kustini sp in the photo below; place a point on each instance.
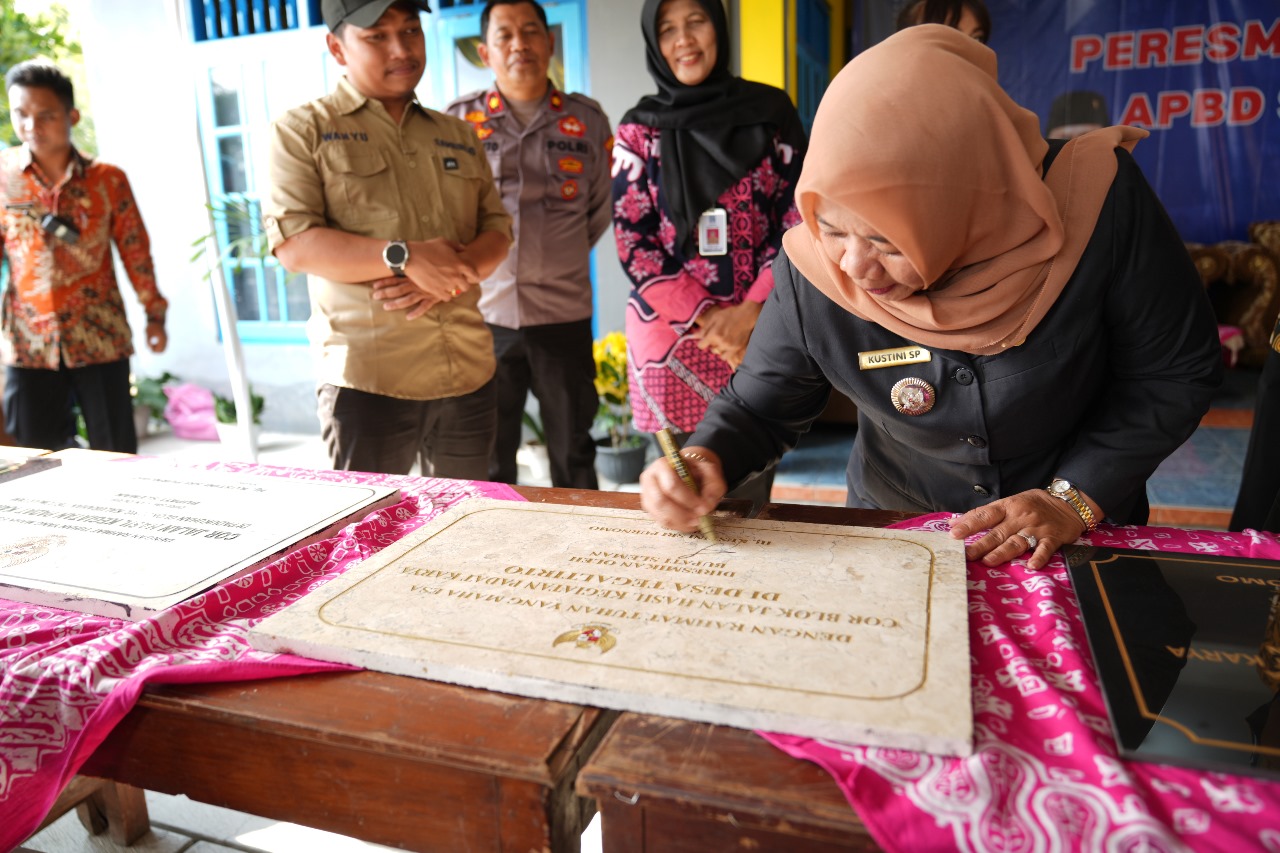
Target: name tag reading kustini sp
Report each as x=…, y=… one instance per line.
x=893, y=357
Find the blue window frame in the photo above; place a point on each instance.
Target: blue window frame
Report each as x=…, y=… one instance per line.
x=454, y=67
x=219, y=19
x=272, y=304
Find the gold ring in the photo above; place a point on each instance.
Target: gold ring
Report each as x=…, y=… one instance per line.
x=454, y=292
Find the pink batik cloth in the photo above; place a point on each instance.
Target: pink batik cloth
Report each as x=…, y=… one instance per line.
x=66, y=679
x=1044, y=774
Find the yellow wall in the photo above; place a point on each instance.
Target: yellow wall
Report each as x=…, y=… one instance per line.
x=768, y=54
x=838, y=59
x=762, y=29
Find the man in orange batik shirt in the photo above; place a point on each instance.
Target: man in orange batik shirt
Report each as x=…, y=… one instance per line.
x=66, y=339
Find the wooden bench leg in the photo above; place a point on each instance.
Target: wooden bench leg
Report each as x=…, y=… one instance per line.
x=120, y=810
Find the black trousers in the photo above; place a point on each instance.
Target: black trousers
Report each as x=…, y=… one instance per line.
x=38, y=404
x=450, y=437
x=1258, y=502
x=555, y=362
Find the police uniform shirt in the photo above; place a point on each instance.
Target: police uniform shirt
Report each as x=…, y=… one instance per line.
x=555, y=170
x=341, y=162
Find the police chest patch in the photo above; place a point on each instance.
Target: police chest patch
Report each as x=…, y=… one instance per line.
x=571, y=126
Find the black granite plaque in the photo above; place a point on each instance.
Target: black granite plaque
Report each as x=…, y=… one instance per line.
x=1188, y=652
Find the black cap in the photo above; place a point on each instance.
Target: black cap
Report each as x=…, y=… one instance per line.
x=1078, y=107
x=360, y=13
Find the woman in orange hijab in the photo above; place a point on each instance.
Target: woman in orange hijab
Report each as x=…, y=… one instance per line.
x=1017, y=321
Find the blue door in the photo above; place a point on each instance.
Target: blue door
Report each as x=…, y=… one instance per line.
x=813, y=56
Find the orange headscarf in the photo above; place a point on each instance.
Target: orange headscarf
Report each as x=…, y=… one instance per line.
x=917, y=138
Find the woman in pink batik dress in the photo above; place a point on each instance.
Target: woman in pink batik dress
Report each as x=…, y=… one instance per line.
x=704, y=174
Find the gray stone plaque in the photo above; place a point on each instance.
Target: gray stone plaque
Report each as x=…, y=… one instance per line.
x=131, y=538
x=835, y=632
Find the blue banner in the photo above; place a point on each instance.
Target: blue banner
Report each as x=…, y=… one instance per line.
x=1203, y=77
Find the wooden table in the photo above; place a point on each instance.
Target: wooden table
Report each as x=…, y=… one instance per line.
x=393, y=760
x=677, y=786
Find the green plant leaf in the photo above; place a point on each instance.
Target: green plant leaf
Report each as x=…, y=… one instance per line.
x=224, y=408
x=535, y=426
x=149, y=391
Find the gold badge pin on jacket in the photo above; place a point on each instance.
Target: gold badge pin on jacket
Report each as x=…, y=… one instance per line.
x=912, y=396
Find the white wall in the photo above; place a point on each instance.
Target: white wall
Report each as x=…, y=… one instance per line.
x=615, y=52
x=142, y=70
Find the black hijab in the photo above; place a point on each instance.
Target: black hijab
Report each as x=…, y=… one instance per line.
x=713, y=133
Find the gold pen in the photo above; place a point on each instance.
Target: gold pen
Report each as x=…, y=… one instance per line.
x=677, y=462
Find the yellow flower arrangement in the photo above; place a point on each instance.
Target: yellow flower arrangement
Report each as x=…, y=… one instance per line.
x=611, y=386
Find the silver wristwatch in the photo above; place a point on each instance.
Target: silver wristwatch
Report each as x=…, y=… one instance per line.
x=1065, y=491
x=396, y=256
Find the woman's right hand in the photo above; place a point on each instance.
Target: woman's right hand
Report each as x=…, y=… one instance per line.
x=670, y=502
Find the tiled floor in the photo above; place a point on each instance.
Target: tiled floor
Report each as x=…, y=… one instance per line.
x=1195, y=487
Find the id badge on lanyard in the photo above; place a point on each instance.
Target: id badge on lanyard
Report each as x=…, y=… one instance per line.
x=713, y=232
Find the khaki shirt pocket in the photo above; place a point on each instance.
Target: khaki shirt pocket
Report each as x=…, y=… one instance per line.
x=461, y=180
x=359, y=187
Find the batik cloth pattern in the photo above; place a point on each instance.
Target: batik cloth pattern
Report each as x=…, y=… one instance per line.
x=1045, y=775
x=672, y=380
x=66, y=679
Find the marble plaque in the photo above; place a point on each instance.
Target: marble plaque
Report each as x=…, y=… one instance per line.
x=131, y=538
x=835, y=632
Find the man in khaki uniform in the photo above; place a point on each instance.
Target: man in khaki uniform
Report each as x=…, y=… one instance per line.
x=391, y=210
x=549, y=152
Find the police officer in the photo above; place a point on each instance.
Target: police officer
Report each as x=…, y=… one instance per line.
x=549, y=152
x=391, y=210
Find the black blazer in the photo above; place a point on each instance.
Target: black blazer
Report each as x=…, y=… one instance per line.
x=1111, y=381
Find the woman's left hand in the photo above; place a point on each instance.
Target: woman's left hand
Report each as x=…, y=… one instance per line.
x=1032, y=521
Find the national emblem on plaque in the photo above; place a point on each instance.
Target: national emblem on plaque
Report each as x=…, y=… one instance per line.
x=588, y=637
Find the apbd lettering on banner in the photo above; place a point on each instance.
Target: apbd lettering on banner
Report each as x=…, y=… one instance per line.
x=1197, y=44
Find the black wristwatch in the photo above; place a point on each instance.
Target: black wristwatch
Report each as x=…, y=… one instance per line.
x=396, y=256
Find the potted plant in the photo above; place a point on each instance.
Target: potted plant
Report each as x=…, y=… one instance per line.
x=533, y=453
x=245, y=238
x=620, y=456
x=224, y=411
x=149, y=399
